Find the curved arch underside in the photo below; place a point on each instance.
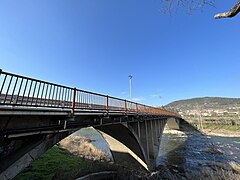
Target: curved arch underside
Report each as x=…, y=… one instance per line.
x=125, y=147
x=133, y=144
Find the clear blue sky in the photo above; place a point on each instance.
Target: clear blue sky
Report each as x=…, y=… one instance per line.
x=95, y=44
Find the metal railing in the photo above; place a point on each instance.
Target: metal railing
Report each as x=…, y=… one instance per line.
x=16, y=90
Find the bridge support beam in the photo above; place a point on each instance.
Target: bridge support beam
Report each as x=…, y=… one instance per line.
x=27, y=155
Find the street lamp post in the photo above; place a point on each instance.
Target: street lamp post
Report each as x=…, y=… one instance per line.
x=130, y=84
x=160, y=97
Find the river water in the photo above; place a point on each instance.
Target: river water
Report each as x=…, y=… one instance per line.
x=192, y=152
x=184, y=154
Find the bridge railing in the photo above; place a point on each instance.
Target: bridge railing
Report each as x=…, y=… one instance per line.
x=16, y=90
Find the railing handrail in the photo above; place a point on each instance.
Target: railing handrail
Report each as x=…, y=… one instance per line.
x=55, y=95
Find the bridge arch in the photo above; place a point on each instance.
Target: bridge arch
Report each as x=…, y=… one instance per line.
x=125, y=145
x=133, y=144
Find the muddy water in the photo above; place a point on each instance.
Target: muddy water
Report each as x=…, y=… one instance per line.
x=190, y=153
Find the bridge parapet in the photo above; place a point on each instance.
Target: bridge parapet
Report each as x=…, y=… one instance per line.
x=23, y=92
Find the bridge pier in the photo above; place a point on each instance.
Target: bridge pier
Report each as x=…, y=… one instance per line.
x=144, y=138
x=173, y=123
x=140, y=139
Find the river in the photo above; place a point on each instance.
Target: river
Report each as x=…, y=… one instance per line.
x=184, y=154
x=188, y=154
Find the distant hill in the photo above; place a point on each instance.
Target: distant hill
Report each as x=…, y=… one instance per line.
x=205, y=103
x=216, y=110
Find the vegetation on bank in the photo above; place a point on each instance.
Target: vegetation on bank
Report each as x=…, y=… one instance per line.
x=216, y=127
x=205, y=103
x=60, y=164
x=221, y=172
x=57, y=163
x=76, y=156
x=212, y=113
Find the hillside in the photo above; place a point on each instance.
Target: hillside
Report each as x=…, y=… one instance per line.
x=214, y=109
x=205, y=103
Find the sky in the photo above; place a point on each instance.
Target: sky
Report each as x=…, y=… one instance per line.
x=95, y=45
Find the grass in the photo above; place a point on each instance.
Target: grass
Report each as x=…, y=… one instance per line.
x=59, y=164
x=73, y=157
x=221, y=126
x=219, y=174
x=235, y=166
x=225, y=127
x=81, y=146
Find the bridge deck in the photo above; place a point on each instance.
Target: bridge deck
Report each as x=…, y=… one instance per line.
x=28, y=96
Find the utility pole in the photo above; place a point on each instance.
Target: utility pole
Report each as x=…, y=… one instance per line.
x=199, y=118
x=130, y=86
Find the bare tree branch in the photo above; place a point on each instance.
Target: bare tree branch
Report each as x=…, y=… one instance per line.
x=231, y=13
x=170, y=6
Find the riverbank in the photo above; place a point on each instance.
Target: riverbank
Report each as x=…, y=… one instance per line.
x=58, y=163
x=77, y=156
x=192, y=155
x=220, y=132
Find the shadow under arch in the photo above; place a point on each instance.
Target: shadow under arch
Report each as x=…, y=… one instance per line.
x=31, y=149
x=125, y=146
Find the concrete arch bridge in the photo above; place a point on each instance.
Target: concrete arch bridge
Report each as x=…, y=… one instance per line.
x=35, y=115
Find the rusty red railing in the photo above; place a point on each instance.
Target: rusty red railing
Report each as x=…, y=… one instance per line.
x=17, y=90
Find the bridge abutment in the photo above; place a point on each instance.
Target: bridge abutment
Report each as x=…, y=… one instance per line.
x=29, y=154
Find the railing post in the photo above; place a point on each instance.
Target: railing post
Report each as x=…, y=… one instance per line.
x=107, y=104
x=73, y=101
x=137, y=107
x=125, y=105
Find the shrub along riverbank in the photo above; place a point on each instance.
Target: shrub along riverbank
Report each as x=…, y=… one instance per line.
x=219, y=130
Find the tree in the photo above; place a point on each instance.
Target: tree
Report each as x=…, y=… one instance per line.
x=194, y=4
x=231, y=13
